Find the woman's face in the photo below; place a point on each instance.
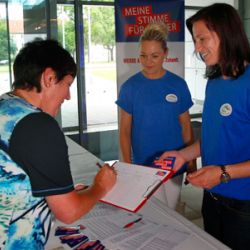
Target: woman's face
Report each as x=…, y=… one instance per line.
x=207, y=43
x=55, y=95
x=152, y=56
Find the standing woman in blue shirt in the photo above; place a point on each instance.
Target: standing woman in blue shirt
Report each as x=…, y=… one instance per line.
x=221, y=41
x=154, y=107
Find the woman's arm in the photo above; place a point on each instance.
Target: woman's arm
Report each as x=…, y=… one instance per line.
x=188, y=138
x=71, y=206
x=187, y=131
x=125, y=135
x=191, y=152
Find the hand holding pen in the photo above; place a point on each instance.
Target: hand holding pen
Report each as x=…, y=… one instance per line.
x=106, y=177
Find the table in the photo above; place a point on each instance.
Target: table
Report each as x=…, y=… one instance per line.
x=83, y=167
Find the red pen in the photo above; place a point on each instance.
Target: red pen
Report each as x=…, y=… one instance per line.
x=130, y=224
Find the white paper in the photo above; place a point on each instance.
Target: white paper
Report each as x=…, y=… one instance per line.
x=134, y=185
x=147, y=236
x=106, y=223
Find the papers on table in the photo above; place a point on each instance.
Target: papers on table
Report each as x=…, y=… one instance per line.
x=106, y=225
x=147, y=236
x=135, y=185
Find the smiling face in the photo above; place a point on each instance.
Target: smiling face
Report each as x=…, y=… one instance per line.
x=152, y=56
x=54, y=92
x=207, y=43
x=60, y=92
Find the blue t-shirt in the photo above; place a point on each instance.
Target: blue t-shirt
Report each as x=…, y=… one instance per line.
x=155, y=106
x=226, y=130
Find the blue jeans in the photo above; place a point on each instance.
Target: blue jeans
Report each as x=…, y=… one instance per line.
x=227, y=219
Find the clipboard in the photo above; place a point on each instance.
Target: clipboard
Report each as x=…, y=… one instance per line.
x=135, y=185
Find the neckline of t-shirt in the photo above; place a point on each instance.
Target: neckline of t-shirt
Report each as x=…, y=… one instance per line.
x=23, y=100
x=156, y=79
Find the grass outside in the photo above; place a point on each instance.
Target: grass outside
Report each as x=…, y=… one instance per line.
x=105, y=71
x=107, y=74
x=4, y=68
x=102, y=70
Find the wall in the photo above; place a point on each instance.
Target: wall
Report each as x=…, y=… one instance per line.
x=244, y=9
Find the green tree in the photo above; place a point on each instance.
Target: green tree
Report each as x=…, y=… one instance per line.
x=103, y=28
x=66, y=28
x=4, y=42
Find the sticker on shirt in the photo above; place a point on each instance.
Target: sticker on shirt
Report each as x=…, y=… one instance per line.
x=226, y=109
x=171, y=98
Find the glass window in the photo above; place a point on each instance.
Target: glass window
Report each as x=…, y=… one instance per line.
x=98, y=81
x=27, y=21
x=4, y=52
x=99, y=61
x=66, y=36
x=111, y=1
x=207, y=2
x=100, y=66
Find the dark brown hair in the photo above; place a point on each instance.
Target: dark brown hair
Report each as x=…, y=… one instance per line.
x=234, y=46
x=35, y=57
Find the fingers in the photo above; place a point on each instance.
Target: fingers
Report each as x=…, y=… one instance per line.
x=109, y=168
x=202, y=178
x=196, y=173
x=164, y=156
x=106, y=177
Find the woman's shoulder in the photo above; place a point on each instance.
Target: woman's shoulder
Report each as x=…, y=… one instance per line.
x=133, y=81
x=174, y=76
x=247, y=70
x=175, y=80
x=134, y=78
x=244, y=78
x=42, y=118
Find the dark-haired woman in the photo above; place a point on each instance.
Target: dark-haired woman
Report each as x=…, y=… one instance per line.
x=221, y=42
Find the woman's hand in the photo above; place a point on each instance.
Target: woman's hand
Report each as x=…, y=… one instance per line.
x=206, y=177
x=179, y=159
x=106, y=178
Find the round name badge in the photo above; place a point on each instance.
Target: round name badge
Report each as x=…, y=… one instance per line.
x=226, y=109
x=171, y=98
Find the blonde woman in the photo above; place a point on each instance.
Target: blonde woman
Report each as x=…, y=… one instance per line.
x=154, y=113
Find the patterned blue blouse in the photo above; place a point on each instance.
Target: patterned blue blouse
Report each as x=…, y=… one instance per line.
x=25, y=220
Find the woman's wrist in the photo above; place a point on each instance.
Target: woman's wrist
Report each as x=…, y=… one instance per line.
x=184, y=156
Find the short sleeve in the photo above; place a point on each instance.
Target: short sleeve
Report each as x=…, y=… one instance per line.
x=125, y=98
x=38, y=145
x=186, y=100
x=248, y=103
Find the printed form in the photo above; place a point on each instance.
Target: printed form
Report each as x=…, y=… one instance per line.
x=135, y=185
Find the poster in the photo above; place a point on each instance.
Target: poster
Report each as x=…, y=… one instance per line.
x=131, y=17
